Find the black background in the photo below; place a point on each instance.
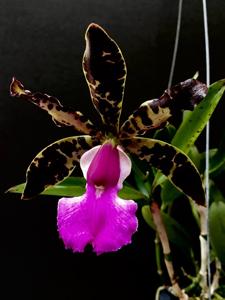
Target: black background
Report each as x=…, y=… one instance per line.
x=42, y=43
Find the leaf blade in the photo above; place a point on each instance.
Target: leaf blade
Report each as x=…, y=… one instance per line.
x=217, y=160
x=217, y=228
x=195, y=122
x=74, y=187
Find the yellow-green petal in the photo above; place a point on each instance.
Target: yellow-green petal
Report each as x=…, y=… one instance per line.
x=62, y=116
x=105, y=71
x=172, y=162
x=55, y=163
x=155, y=113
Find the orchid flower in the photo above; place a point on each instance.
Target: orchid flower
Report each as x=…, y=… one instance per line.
x=100, y=217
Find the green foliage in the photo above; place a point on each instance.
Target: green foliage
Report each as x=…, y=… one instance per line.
x=188, y=132
x=141, y=179
x=217, y=228
x=195, y=121
x=176, y=233
x=215, y=193
x=217, y=161
x=75, y=186
x=70, y=187
x=184, y=138
x=169, y=193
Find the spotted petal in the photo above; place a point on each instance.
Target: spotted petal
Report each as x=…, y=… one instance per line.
x=61, y=116
x=173, y=163
x=55, y=163
x=155, y=113
x=105, y=71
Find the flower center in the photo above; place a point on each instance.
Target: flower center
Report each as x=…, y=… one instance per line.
x=104, y=170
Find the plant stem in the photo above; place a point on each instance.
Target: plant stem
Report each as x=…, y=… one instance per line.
x=207, y=142
x=157, y=255
x=204, y=250
x=161, y=230
x=216, y=277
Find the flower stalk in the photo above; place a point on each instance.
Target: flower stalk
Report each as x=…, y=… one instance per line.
x=157, y=255
x=202, y=210
x=161, y=230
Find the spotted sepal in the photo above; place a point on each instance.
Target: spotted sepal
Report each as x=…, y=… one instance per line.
x=172, y=162
x=55, y=163
x=105, y=71
x=155, y=113
x=61, y=116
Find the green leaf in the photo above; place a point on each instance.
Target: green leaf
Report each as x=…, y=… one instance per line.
x=192, y=125
x=75, y=186
x=70, y=187
x=169, y=193
x=195, y=121
x=202, y=156
x=218, y=160
x=217, y=228
x=128, y=193
x=215, y=193
x=165, y=134
x=176, y=233
x=195, y=156
x=141, y=179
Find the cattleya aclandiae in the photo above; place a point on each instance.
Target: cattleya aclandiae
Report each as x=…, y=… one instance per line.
x=100, y=217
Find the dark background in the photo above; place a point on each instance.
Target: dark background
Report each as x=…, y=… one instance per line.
x=42, y=43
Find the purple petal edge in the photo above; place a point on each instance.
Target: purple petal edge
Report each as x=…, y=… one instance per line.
x=105, y=221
